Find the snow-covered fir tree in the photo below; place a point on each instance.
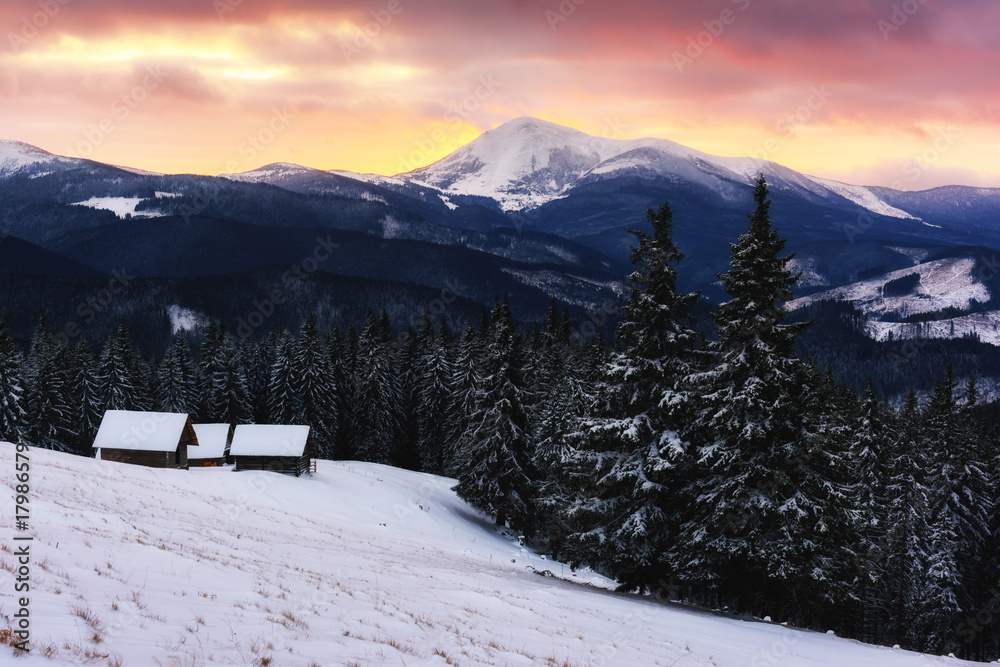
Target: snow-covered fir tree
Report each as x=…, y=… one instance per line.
x=764, y=501
x=51, y=418
x=434, y=394
x=13, y=416
x=315, y=386
x=178, y=378
x=466, y=383
x=121, y=384
x=86, y=395
x=495, y=452
x=225, y=398
x=376, y=398
x=284, y=404
x=630, y=451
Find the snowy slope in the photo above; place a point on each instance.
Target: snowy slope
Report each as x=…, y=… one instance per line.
x=359, y=565
x=120, y=206
x=863, y=197
x=16, y=156
x=984, y=325
x=943, y=283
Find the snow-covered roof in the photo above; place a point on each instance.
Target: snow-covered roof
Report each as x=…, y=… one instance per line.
x=269, y=440
x=142, y=431
x=212, y=439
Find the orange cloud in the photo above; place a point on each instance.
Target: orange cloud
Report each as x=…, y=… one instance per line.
x=387, y=85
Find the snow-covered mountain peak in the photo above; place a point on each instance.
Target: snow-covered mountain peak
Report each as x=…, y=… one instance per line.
x=528, y=162
x=17, y=155
x=268, y=173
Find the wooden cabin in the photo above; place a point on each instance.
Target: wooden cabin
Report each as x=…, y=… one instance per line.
x=212, y=447
x=154, y=439
x=284, y=449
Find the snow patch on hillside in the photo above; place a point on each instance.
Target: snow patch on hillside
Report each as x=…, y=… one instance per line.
x=810, y=275
x=358, y=564
x=944, y=283
x=985, y=325
x=864, y=198
x=916, y=254
x=185, y=318
x=120, y=206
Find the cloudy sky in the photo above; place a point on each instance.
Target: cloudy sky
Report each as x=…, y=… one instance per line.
x=903, y=92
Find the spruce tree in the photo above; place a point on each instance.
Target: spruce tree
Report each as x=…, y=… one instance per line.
x=633, y=444
x=433, y=393
x=120, y=383
x=495, y=452
x=315, y=386
x=86, y=395
x=224, y=394
x=177, y=378
x=51, y=418
x=13, y=417
x=466, y=384
x=765, y=511
x=376, y=397
x=284, y=402
x=906, y=548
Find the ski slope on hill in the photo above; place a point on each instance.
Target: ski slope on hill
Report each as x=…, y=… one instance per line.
x=360, y=564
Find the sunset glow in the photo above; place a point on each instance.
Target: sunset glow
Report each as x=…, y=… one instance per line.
x=856, y=90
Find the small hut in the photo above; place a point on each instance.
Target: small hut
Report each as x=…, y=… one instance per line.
x=212, y=447
x=285, y=449
x=154, y=439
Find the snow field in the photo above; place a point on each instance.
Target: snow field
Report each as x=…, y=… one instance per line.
x=360, y=564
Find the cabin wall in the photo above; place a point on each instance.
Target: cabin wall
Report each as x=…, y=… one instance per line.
x=206, y=463
x=135, y=457
x=289, y=465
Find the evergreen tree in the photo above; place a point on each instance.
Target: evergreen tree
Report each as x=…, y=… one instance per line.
x=766, y=507
x=315, y=385
x=225, y=395
x=434, y=393
x=466, y=385
x=495, y=452
x=284, y=402
x=870, y=444
x=120, y=383
x=906, y=548
x=86, y=396
x=177, y=378
x=51, y=422
x=633, y=446
x=376, y=398
x=13, y=417
x=345, y=363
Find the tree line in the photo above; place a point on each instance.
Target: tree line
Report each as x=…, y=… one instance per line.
x=728, y=472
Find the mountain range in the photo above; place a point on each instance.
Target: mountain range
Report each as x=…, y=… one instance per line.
x=530, y=210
